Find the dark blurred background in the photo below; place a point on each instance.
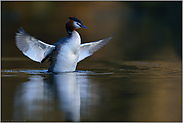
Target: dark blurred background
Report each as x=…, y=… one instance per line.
x=143, y=30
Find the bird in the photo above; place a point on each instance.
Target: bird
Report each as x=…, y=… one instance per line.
x=64, y=54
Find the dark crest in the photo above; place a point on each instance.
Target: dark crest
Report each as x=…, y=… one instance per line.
x=75, y=19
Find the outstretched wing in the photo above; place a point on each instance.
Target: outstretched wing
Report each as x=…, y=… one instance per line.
x=87, y=49
x=32, y=47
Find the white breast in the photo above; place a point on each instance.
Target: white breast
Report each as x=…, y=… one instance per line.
x=67, y=56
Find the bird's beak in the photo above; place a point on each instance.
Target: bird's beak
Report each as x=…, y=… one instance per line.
x=83, y=26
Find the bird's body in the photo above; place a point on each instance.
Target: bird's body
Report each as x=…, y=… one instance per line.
x=64, y=54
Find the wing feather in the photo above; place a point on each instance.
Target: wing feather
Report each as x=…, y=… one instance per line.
x=32, y=47
x=87, y=49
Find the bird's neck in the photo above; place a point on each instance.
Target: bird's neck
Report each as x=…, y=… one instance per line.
x=70, y=28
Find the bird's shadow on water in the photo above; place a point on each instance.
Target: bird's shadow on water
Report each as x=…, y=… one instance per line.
x=51, y=96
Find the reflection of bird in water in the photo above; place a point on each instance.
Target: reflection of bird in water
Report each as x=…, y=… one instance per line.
x=68, y=95
x=56, y=98
x=64, y=54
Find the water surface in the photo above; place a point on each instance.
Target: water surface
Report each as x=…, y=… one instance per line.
x=123, y=91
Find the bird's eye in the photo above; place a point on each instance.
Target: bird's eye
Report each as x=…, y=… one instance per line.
x=79, y=24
